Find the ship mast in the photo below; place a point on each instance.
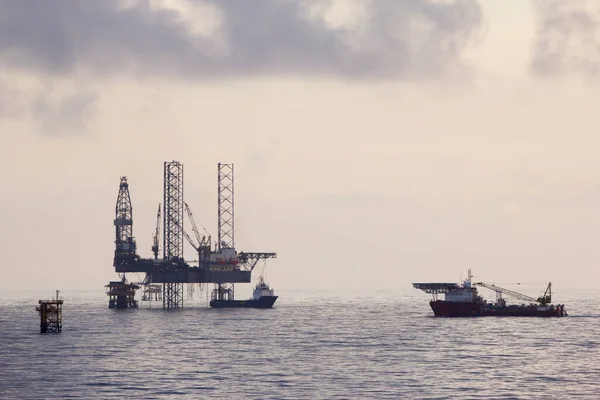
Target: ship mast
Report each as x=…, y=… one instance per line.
x=467, y=283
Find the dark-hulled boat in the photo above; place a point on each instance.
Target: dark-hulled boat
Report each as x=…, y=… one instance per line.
x=262, y=297
x=463, y=300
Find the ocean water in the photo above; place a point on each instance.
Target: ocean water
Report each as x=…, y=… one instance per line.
x=317, y=345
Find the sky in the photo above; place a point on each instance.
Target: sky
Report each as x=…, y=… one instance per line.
x=376, y=143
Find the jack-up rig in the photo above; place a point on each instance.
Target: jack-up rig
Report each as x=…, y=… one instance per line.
x=219, y=264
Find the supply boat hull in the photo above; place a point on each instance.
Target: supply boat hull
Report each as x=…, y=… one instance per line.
x=472, y=309
x=262, y=302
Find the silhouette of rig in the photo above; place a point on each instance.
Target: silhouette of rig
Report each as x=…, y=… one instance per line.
x=219, y=263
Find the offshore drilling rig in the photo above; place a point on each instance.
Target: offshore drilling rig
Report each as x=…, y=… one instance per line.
x=218, y=263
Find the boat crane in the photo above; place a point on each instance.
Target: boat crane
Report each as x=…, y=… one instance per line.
x=545, y=299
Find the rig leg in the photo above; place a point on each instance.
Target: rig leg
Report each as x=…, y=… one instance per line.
x=172, y=295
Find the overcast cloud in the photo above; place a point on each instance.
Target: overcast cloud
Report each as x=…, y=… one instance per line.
x=567, y=39
x=238, y=37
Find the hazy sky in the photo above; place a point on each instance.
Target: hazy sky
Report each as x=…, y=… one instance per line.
x=375, y=143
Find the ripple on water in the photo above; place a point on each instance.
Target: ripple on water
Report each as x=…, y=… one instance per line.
x=311, y=347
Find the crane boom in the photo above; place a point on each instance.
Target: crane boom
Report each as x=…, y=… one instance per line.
x=193, y=222
x=545, y=299
x=155, y=237
x=189, y=239
x=251, y=259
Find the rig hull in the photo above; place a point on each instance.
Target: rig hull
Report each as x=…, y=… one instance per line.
x=263, y=302
x=443, y=308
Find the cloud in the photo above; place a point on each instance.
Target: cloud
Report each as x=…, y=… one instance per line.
x=63, y=114
x=13, y=100
x=215, y=39
x=567, y=39
x=4, y=98
x=56, y=108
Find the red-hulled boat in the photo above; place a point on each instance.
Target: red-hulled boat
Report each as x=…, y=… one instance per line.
x=464, y=301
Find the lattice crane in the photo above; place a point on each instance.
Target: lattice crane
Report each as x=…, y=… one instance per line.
x=251, y=259
x=156, y=236
x=202, y=240
x=545, y=299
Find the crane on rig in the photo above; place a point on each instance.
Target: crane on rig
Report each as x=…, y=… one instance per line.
x=249, y=260
x=156, y=235
x=204, y=241
x=545, y=299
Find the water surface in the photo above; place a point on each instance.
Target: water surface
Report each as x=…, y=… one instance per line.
x=311, y=345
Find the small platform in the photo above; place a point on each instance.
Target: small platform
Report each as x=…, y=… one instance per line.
x=121, y=294
x=50, y=315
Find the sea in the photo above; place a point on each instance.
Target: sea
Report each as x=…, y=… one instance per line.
x=311, y=345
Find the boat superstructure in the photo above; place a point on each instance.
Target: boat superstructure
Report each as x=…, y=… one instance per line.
x=262, y=289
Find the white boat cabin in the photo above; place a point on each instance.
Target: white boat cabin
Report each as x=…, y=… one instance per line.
x=262, y=289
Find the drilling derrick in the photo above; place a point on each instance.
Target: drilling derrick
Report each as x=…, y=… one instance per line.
x=121, y=294
x=124, y=241
x=173, y=230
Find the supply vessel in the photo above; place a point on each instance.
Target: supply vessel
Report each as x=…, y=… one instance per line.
x=262, y=297
x=463, y=300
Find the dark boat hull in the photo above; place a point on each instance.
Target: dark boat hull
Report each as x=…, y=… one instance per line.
x=263, y=302
x=474, y=309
